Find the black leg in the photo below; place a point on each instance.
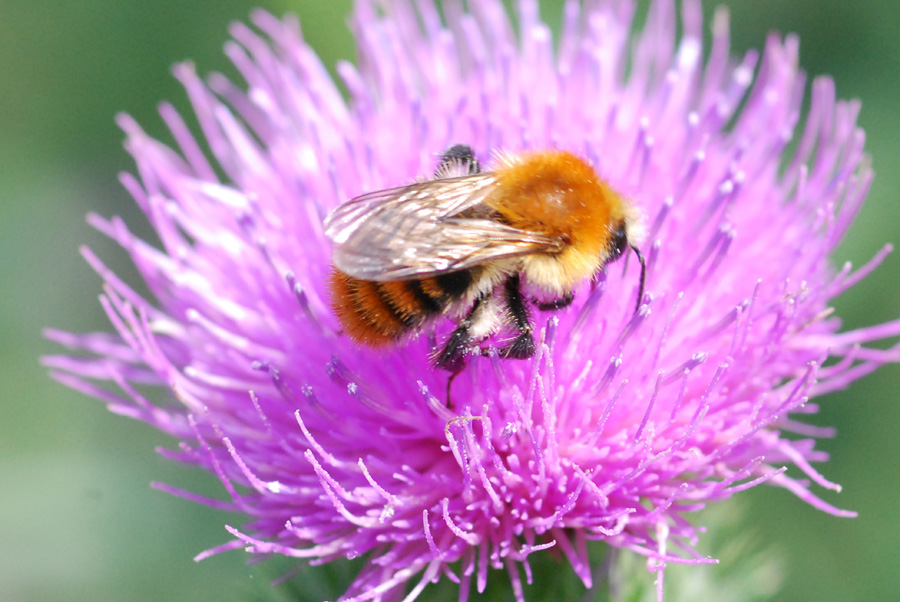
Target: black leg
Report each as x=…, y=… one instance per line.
x=450, y=379
x=523, y=346
x=452, y=356
x=458, y=155
x=556, y=303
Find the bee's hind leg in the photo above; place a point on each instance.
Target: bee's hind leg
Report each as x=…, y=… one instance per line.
x=458, y=160
x=523, y=346
x=452, y=356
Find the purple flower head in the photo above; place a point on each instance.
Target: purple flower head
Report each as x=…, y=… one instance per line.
x=622, y=424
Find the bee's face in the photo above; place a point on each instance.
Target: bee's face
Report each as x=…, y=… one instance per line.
x=617, y=244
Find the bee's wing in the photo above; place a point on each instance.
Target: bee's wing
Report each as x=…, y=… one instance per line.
x=416, y=231
x=433, y=200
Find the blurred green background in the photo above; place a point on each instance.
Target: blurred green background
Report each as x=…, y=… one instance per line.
x=78, y=520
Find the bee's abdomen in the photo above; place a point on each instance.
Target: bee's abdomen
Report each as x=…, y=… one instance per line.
x=379, y=313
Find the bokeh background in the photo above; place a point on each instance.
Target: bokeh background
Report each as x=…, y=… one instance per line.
x=78, y=519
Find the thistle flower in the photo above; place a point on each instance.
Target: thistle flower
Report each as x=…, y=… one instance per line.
x=622, y=425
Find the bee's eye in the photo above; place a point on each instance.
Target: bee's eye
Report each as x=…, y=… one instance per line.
x=618, y=244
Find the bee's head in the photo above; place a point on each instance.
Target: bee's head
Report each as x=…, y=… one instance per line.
x=617, y=244
x=620, y=241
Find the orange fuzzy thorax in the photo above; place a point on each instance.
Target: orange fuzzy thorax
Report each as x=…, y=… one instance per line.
x=558, y=194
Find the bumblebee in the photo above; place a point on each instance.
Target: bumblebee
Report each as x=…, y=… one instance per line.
x=478, y=247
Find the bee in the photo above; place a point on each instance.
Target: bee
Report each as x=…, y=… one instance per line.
x=478, y=247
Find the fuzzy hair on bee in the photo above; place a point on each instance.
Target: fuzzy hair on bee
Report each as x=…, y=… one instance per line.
x=469, y=245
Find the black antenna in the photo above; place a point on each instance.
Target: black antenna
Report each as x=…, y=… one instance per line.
x=643, y=277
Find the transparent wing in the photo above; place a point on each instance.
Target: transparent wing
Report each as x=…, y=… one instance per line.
x=424, y=229
x=433, y=200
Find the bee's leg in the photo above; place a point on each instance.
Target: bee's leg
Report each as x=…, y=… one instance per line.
x=523, y=346
x=556, y=303
x=450, y=379
x=452, y=357
x=456, y=157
